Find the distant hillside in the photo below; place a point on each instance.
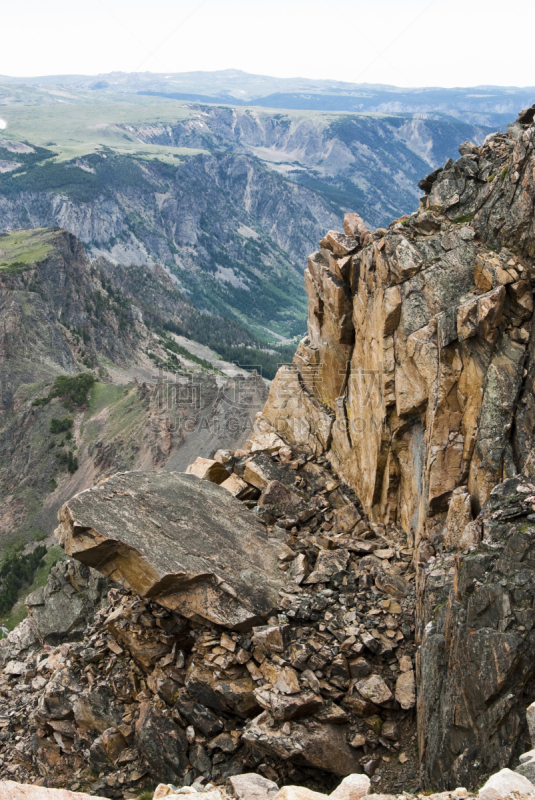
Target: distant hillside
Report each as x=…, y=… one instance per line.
x=481, y=105
x=93, y=379
x=229, y=200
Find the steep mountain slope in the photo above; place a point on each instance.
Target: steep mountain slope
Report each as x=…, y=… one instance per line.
x=230, y=200
x=147, y=401
x=364, y=162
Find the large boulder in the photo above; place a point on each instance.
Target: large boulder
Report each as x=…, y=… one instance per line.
x=184, y=542
x=323, y=747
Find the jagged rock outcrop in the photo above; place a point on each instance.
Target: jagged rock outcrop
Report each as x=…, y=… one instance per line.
x=416, y=382
x=476, y=669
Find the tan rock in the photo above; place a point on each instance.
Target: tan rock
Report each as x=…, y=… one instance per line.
x=298, y=793
x=374, y=689
x=505, y=784
x=207, y=469
x=354, y=225
x=235, y=486
x=353, y=787
x=223, y=456
x=162, y=790
x=255, y=475
x=459, y=516
x=266, y=443
x=250, y=786
x=406, y=690
x=341, y=243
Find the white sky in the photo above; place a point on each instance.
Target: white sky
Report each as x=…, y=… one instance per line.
x=401, y=42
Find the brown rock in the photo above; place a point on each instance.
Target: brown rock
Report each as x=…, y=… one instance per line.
x=324, y=747
x=459, y=516
x=187, y=543
x=374, y=689
x=328, y=563
x=208, y=469
x=235, y=486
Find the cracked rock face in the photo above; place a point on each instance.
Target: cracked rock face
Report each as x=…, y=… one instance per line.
x=183, y=542
x=418, y=337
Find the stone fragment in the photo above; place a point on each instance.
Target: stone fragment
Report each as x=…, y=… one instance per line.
x=207, y=469
x=503, y=784
x=284, y=707
x=186, y=543
x=251, y=786
x=222, y=693
x=298, y=793
x=273, y=637
x=406, y=690
x=266, y=443
x=328, y=563
x=354, y=225
x=235, y=486
x=223, y=456
x=162, y=790
x=162, y=743
x=353, y=787
x=346, y=518
x=342, y=244
x=256, y=475
x=279, y=500
x=374, y=689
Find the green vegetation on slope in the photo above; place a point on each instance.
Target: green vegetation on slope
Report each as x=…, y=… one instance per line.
x=15, y=611
x=21, y=249
x=73, y=390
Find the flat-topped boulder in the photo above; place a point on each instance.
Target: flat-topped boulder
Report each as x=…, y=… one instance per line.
x=186, y=543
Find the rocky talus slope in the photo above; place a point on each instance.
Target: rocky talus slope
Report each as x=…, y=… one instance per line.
x=273, y=632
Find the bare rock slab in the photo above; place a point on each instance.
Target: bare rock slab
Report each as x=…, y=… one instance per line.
x=10, y=790
x=186, y=543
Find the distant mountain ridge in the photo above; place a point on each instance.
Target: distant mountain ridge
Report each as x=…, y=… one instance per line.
x=482, y=105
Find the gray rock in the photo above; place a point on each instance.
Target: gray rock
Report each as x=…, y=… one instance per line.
x=251, y=786
x=63, y=607
x=527, y=769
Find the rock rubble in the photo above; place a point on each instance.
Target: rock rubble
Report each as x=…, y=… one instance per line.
x=319, y=687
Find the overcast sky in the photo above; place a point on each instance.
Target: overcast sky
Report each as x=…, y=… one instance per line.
x=409, y=43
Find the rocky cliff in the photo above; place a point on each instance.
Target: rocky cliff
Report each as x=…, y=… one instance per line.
x=359, y=579
x=416, y=382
